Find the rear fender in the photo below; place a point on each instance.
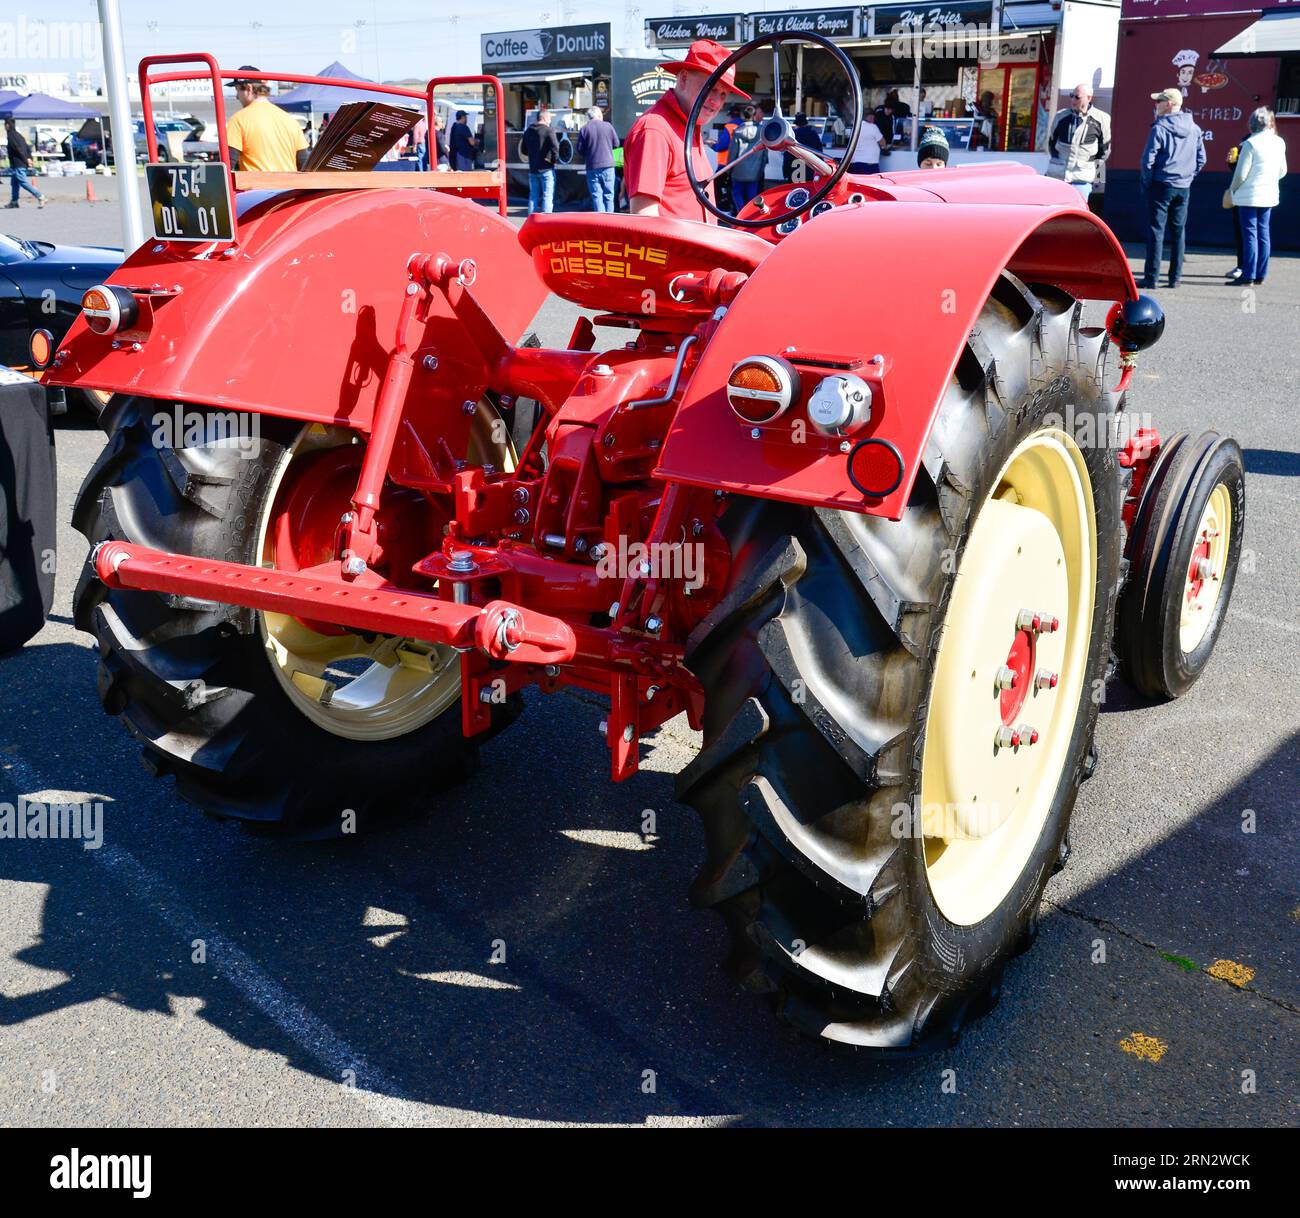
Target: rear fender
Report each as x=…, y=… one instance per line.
x=299, y=318
x=903, y=280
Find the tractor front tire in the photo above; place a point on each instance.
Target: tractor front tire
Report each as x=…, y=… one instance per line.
x=853, y=708
x=202, y=685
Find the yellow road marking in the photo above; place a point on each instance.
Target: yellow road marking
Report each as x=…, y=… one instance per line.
x=1231, y=972
x=1148, y=1047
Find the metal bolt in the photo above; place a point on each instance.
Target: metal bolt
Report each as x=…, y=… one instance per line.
x=845, y=446
x=1006, y=738
x=697, y=527
x=521, y=494
x=462, y=563
x=468, y=407
x=135, y=346
x=346, y=518
x=412, y=288
x=1006, y=678
x=653, y=624
x=608, y=440
x=1028, y=735
x=429, y=363
x=521, y=515
x=1046, y=679
x=599, y=550
x=613, y=611
x=158, y=249
x=603, y=727
x=580, y=545
x=755, y=434
x=877, y=359
x=628, y=734
x=116, y=344
x=354, y=566
x=602, y=370
x=488, y=468
x=1038, y=623
x=485, y=694
x=650, y=693
x=552, y=670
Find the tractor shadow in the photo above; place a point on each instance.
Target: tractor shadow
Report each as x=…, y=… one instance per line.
x=609, y=983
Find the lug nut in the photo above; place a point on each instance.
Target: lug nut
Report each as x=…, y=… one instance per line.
x=485, y=694
x=354, y=566
x=521, y=515
x=1028, y=735
x=598, y=551
x=1006, y=678
x=1007, y=738
x=429, y=363
x=1046, y=679
x=1038, y=623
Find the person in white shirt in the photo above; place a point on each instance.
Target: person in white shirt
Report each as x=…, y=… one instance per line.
x=866, y=157
x=1261, y=166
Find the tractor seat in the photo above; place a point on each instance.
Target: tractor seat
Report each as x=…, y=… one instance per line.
x=608, y=261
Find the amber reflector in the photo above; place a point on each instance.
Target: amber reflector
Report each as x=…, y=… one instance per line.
x=40, y=347
x=755, y=376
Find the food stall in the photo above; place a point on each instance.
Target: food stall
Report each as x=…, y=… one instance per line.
x=992, y=73
x=567, y=69
x=1227, y=58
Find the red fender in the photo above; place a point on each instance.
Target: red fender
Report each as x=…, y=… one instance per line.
x=298, y=321
x=901, y=279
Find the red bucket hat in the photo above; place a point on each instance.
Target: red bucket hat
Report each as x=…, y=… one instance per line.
x=704, y=56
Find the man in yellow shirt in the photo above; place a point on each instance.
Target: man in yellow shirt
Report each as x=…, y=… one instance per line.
x=262, y=137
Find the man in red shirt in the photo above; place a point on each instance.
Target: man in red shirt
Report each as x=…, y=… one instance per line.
x=654, y=153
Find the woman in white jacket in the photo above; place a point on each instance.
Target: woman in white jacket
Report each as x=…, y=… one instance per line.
x=1261, y=165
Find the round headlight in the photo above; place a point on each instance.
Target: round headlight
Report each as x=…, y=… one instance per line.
x=108, y=309
x=762, y=388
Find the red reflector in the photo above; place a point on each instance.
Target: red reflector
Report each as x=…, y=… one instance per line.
x=875, y=468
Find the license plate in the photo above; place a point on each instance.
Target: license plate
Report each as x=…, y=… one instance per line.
x=190, y=202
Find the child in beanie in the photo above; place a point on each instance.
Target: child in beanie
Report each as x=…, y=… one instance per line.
x=932, y=152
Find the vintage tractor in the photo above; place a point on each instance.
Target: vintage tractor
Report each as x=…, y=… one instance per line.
x=848, y=484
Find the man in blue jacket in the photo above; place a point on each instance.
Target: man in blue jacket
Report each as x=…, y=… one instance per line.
x=1174, y=155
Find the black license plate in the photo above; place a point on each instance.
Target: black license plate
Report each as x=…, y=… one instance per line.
x=190, y=202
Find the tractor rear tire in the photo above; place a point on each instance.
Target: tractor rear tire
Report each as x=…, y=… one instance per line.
x=819, y=667
x=194, y=680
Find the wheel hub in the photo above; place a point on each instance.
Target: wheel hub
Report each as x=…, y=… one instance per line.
x=1205, y=572
x=1009, y=676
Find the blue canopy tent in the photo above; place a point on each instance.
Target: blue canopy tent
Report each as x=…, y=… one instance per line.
x=318, y=99
x=35, y=107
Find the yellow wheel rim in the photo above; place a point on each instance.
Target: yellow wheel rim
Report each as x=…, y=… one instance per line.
x=364, y=688
x=984, y=801
x=1204, y=577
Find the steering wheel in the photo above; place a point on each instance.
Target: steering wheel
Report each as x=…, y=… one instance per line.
x=776, y=134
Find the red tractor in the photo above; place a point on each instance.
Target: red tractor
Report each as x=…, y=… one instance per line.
x=848, y=483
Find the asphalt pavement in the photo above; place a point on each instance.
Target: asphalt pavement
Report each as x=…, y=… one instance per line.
x=188, y=973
